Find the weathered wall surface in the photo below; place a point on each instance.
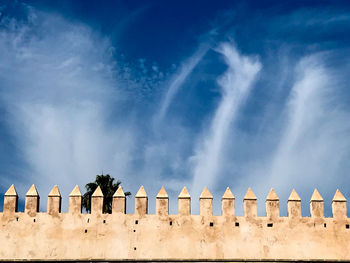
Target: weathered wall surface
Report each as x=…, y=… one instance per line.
x=52, y=235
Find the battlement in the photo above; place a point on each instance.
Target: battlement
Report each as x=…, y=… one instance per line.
x=34, y=235
x=339, y=208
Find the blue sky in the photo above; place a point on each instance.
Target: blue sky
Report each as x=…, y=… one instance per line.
x=232, y=93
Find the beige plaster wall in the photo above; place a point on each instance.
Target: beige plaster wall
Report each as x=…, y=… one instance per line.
x=119, y=236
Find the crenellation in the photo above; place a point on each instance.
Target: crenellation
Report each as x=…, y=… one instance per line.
x=272, y=205
x=11, y=200
x=31, y=206
x=228, y=203
x=294, y=205
x=206, y=203
x=162, y=203
x=141, y=202
x=250, y=204
x=97, y=201
x=184, y=202
x=339, y=209
x=54, y=201
x=119, y=201
x=74, y=236
x=316, y=205
x=75, y=201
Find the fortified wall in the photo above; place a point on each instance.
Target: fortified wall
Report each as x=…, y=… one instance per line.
x=76, y=236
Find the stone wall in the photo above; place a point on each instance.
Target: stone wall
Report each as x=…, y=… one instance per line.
x=55, y=236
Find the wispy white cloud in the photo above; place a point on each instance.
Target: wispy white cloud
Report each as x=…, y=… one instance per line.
x=178, y=79
x=58, y=84
x=311, y=135
x=235, y=85
x=314, y=144
x=70, y=107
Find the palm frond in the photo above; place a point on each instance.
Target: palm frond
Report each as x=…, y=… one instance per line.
x=108, y=187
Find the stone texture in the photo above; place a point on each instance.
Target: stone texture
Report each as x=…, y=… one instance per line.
x=250, y=204
x=141, y=192
x=316, y=197
x=184, y=202
x=119, y=201
x=166, y=238
x=272, y=196
x=119, y=192
x=11, y=200
x=228, y=203
x=55, y=192
x=188, y=238
x=294, y=205
x=162, y=203
x=32, y=191
x=75, y=199
x=250, y=195
x=316, y=205
x=11, y=191
x=54, y=201
x=339, y=208
x=141, y=202
x=184, y=193
x=206, y=203
x=31, y=206
x=338, y=197
x=272, y=205
x=75, y=191
x=228, y=194
x=294, y=196
x=97, y=201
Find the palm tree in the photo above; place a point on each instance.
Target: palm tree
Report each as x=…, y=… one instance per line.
x=108, y=187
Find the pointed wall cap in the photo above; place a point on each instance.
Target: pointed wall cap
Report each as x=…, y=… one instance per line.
x=316, y=197
x=338, y=197
x=141, y=193
x=119, y=192
x=294, y=196
x=55, y=191
x=76, y=191
x=272, y=196
x=98, y=192
x=184, y=193
x=11, y=191
x=162, y=193
x=32, y=191
x=250, y=195
x=206, y=194
x=228, y=194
